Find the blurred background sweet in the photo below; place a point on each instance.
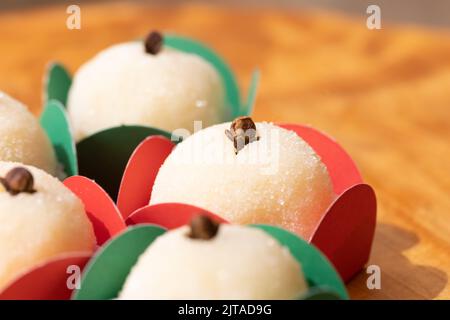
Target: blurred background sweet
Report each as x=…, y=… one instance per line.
x=383, y=94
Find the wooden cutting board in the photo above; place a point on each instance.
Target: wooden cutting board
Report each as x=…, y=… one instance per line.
x=384, y=95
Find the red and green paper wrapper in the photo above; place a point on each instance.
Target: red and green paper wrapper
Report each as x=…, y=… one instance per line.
x=124, y=162
x=106, y=273
x=344, y=235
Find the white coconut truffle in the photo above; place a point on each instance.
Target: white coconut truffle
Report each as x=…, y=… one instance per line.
x=125, y=85
x=21, y=137
x=238, y=263
x=276, y=180
x=35, y=227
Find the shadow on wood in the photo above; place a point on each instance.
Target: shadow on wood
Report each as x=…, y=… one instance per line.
x=424, y=282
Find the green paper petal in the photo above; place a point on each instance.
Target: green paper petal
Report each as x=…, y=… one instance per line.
x=106, y=273
x=103, y=156
x=54, y=122
x=233, y=98
x=320, y=293
x=58, y=83
x=316, y=267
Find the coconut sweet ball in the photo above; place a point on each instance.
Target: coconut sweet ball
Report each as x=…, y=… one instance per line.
x=21, y=137
x=269, y=176
x=206, y=261
x=138, y=83
x=39, y=219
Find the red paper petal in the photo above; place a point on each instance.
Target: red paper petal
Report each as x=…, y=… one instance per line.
x=47, y=281
x=140, y=173
x=169, y=215
x=101, y=210
x=346, y=232
x=342, y=169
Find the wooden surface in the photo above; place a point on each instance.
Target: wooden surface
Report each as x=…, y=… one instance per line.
x=384, y=95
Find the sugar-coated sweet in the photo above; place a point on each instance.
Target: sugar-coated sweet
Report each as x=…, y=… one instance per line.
x=277, y=179
x=40, y=223
x=237, y=263
x=21, y=137
x=124, y=84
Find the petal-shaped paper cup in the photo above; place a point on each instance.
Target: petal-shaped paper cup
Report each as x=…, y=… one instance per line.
x=101, y=210
x=53, y=278
x=54, y=121
x=114, y=146
x=50, y=280
x=344, y=234
x=104, y=155
x=107, y=271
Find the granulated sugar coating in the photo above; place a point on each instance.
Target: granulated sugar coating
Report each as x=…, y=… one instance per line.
x=21, y=137
x=125, y=85
x=37, y=226
x=276, y=180
x=238, y=263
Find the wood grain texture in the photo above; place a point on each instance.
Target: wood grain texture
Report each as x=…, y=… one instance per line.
x=384, y=95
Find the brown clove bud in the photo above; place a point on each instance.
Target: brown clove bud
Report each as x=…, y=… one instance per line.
x=153, y=42
x=18, y=180
x=242, y=132
x=203, y=227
